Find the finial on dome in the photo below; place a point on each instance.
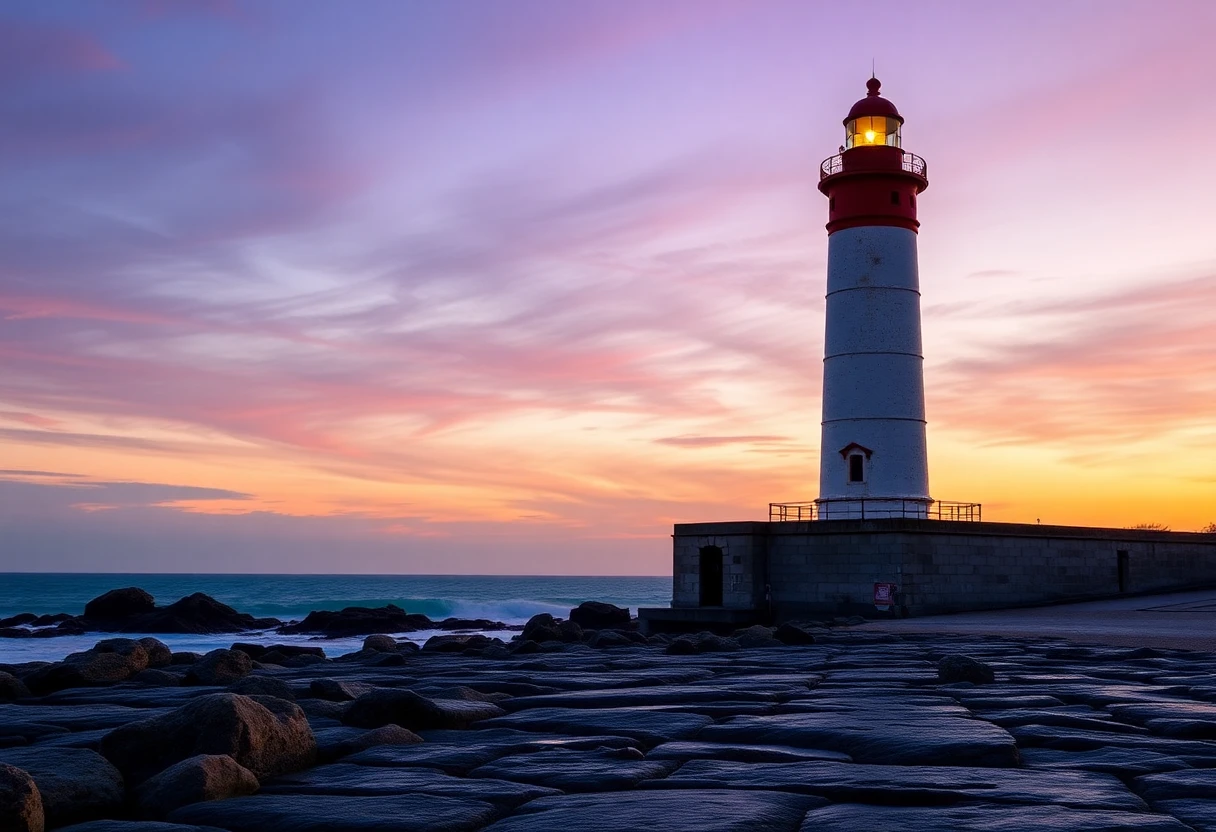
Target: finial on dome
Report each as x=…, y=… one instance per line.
x=873, y=85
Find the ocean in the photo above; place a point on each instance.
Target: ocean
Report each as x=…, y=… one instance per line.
x=508, y=598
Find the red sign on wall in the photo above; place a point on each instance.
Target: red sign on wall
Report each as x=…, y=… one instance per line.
x=884, y=594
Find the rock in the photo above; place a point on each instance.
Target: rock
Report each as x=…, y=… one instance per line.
x=606, y=770
x=135, y=826
x=327, y=812
x=789, y=633
x=1121, y=762
x=198, y=614
x=597, y=615
x=912, y=785
x=159, y=654
x=455, y=643
x=119, y=605
x=304, y=660
x=756, y=636
x=417, y=713
x=110, y=661
x=196, y=779
x=540, y=627
x=157, y=678
x=18, y=620
x=20, y=802
x=1173, y=785
x=12, y=688
x=264, y=734
x=219, y=667
x=524, y=647
x=381, y=643
x=335, y=743
x=742, y=753
x=700, y=810
x=469, y=624
x=648, y=726
x=879, y=733
x=347, y=779
x=570, y=632
x=682, y=646
x=964, y=669
x=611, y=638
x=336, y=691
x=258, y=652
x=360, y=621
x=262, y=686
x=983, y=818
x=75, y=784
x=181, y=657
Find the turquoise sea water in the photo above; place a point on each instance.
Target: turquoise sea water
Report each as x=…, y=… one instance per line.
x=512, y=599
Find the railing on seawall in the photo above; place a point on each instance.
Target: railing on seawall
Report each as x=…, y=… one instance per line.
x=875, y=509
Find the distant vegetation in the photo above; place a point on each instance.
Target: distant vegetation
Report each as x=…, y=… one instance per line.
x=1210, y=528
x=1151, y=527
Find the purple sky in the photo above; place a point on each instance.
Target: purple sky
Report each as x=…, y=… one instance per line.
x=511, y=287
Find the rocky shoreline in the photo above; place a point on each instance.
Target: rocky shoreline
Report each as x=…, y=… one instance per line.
x=564, y=726
x=133, y=610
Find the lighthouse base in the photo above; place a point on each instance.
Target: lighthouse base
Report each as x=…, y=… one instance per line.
x=813, y=569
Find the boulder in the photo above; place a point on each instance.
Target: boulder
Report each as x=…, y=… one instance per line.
x=360, y=621
x=523, y=647
x=159, y=654
x=959, y=668
x=287, y=651
x=12, y=688
x=18, y=620
x=611, y=638
x=540, y=627
x=264, y=734
x=569, y=631
x=469, y=624
x=197, y=614
x=75, y=784
x=219, y=667
x=456, y=643
x=119, y=605
x=109, y=661
x=157, y=678
x=417, y=713
x=262, y=686
x=333, y=690
x=335, y=743
x=20, y=802
x=597, y=615
x=789, y=633
x=181, y=657
x=380, y=642
x=193, y=780
x=683, y=646
x=756, y=636
x=711, y=643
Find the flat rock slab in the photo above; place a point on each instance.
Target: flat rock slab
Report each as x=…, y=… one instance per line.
x=686, y=750
x=76, y=784
x=650, y=727
x=1121, y=762
x=683, y=811
x=1199, y=814
x=348, y=779
x=578, y=771
x=922, y=785
x=459, y=752
x=984, y=818
x=655, y=695
x=1077, y=739
x=898, y=736
x=327, y=812
x=1174, y=785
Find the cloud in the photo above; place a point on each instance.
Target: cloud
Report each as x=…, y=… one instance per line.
x=717, y=441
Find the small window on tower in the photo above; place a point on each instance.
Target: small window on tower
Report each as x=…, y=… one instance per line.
x=857, y=469
x=894, y=197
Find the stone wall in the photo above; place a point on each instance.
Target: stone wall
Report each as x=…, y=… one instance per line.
x=831, y=567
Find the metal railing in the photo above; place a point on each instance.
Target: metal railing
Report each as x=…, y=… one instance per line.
x=911, y=163
x=876, y=509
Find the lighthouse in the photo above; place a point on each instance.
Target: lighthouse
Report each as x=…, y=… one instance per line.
x=873, y=457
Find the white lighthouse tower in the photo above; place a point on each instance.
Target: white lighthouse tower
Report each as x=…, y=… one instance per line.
x=873, y=458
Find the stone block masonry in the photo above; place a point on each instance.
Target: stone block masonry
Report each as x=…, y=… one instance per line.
x=807, y=569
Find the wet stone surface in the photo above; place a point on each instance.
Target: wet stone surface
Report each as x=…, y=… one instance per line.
x=855, y=731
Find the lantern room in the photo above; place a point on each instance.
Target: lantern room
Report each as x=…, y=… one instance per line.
x=873, y=121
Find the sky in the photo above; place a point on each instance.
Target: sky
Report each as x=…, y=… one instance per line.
x=510, y=288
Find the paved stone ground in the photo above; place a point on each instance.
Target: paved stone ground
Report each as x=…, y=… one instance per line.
x=1184, y=620
x=852, y=733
